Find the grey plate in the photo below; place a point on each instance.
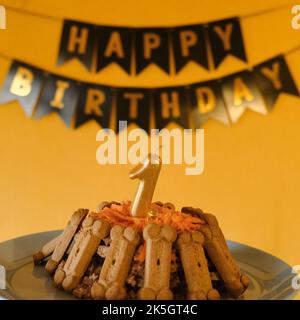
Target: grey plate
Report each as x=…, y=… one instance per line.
x=270, y=278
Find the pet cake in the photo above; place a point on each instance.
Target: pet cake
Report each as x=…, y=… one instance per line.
x=143, y=250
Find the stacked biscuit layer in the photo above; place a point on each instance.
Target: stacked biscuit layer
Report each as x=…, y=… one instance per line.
x=96, y=257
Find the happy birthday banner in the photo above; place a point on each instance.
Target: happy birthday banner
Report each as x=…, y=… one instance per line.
x=190, y=106
x=134, y=49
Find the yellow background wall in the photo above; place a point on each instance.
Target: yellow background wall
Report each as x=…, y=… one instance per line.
x=252, y=169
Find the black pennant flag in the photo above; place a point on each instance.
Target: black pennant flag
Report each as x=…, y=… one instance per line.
x=240, y=92
x=151, y=46
x=58, y=95
x=23, y=83
x=133, y=105
x=274, y=77
x=206, y=102
x=114, y=45
x=189, y=44
x=170, y=105
x=95, y=103
x=77, y=41
x=226, y=38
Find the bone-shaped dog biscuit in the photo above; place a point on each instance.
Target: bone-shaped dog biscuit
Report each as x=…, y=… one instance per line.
x=46, y=250
x=66, y=239
x=86, y=245
x=219, y=253
x=115, y=269
x=159, y=241
x=195, y=267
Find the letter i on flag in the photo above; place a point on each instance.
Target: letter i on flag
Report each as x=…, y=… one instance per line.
x=58, y=95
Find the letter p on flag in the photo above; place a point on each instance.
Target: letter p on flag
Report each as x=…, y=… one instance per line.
x=2, y=278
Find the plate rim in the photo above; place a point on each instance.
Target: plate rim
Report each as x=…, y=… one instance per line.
x=6, y=295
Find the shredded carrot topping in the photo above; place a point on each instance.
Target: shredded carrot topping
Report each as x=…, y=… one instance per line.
x=141, y=253
x=120, y=214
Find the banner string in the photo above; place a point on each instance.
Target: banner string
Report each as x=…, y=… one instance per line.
x=295, y=49
x=266, y=11
x=34, y=14
x=49, y=17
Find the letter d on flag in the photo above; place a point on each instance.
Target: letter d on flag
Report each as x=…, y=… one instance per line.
x=2, y=278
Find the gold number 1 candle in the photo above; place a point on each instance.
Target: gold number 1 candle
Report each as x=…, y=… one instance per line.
x=147, y=173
